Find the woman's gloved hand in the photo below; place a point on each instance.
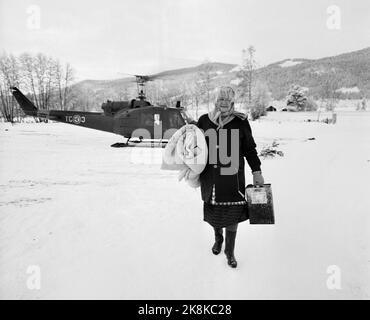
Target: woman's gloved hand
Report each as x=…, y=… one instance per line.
x=258, y=178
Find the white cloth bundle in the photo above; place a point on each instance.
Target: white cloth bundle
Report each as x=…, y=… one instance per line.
x=187, y=152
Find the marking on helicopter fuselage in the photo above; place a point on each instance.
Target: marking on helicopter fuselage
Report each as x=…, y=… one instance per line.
x=76, y=119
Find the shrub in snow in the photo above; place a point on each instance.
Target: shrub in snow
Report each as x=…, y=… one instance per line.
x=271, y=151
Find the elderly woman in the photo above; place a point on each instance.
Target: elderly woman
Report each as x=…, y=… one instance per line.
x=229, y=140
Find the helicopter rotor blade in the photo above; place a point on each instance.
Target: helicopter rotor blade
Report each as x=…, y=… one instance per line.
x=159, y=76
x=146, y=78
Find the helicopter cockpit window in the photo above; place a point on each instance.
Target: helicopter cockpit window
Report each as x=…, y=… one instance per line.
x=147, y=118
x=175, y=119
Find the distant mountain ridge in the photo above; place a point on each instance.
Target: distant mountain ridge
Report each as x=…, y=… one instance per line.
x=352, y=71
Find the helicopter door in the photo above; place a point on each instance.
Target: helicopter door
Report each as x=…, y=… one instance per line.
x=147, y=121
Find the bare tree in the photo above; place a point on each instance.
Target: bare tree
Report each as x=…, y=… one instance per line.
x=40, y=78
x=28, y=70
x=330, y=91
x=9, y=76
x=162, y=92
x=260, y=100
x=204, y=81
x=195, y=93
x=152, y=90
x=45, y=77
x=83, y=99
x=64, y=77
x=185, y=95
x=246, y=74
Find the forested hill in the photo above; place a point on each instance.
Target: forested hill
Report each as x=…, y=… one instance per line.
x=350, y=72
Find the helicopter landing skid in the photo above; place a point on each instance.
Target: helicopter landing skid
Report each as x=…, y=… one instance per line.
x=141, y=143
x=119, y=145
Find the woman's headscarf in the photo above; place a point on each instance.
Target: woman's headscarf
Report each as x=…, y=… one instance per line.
x=226, y=93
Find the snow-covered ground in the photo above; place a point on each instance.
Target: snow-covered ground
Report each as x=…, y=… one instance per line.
x=289, y=63
x=349, y=90
x=101, y=222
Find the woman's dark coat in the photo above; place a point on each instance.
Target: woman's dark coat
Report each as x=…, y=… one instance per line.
x=227, y=185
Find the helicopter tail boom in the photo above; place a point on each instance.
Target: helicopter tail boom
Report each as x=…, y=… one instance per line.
x=93, y=120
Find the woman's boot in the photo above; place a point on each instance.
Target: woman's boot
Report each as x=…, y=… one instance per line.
x=216, y=249
x=229, y=248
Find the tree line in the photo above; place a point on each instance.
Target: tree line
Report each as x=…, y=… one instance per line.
x=50, y=85
x=46, y=80
x=199, y=90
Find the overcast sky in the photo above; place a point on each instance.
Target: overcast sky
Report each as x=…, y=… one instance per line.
x=102, y=39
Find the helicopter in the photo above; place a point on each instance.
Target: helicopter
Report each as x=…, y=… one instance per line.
x=137, y=120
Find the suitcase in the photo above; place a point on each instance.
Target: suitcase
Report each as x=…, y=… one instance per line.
x=260, y=204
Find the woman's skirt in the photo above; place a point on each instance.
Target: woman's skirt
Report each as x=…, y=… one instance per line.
x=221, y=216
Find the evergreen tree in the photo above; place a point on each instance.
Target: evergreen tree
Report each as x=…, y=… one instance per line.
x=297, y=97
